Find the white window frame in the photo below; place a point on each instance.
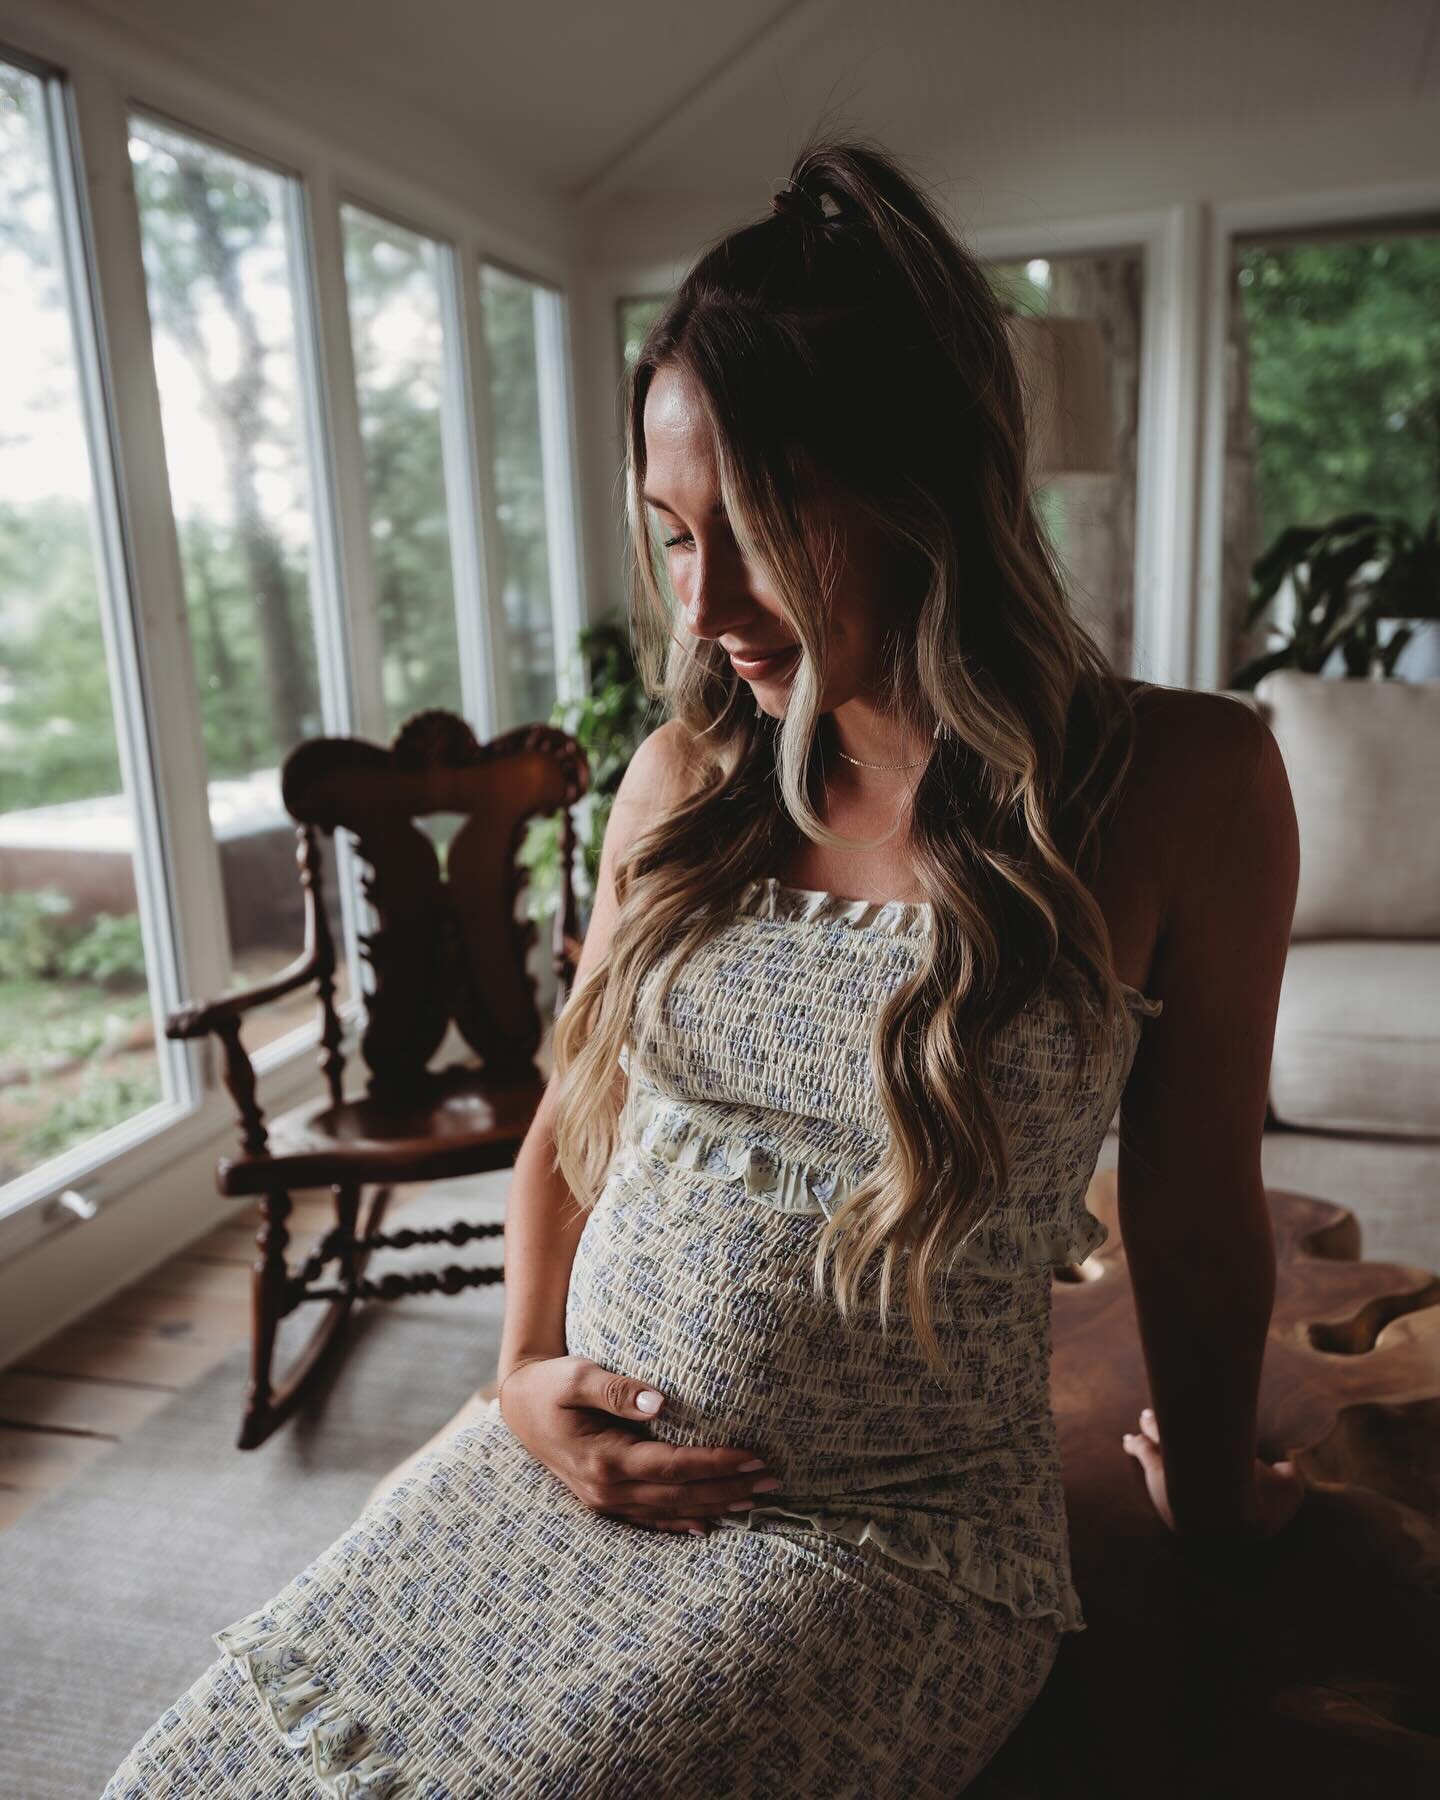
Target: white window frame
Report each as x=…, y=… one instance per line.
x=604, y=290
x=64, y=1187
x=555, y=360
x=329, y=625
x=105, y=77
x=1168, y=240
x=460, y=476
x=1385, y=205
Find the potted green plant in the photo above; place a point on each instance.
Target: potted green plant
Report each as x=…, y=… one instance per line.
x=609, y=718
x=1348, y=576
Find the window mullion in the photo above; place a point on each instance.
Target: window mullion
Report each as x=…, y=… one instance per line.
x=165, y=666
x=346, y=627
x=355, y=625
x=470, y=494
x=117, y=622
x=1171, y=414
x=560, y=460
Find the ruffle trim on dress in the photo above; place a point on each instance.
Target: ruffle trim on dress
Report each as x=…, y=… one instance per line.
x=1001, y=1247
x=309, y=1716
x=1029, y=1588
x=678, y=1131
x=766, y=897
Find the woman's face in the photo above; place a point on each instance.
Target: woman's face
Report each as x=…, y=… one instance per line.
x=726, y=598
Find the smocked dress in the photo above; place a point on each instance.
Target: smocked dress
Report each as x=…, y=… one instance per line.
x=878, y=1625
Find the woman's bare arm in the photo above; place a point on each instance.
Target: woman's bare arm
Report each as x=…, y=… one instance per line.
x=1192, y=1207
x=543, y=1225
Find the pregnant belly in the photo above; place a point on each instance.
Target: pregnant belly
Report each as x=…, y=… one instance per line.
x=685, y=1282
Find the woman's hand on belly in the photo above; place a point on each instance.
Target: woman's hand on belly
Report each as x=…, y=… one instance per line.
x=586, y=1425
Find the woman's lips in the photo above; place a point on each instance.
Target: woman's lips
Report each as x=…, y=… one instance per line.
x=760, y=668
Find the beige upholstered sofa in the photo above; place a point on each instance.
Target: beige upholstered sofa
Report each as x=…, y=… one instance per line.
x=1358, y=1036
x=1354, y=1111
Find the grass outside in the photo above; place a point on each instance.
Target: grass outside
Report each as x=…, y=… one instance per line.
x=79, y=1056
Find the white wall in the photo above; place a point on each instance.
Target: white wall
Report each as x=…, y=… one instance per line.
x=1074, y=174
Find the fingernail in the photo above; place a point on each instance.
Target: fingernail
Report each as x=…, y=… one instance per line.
x=739, y=1506
x=765, y=1486
x=757, y=1462
x=1145, y=1413
x=649, y=1400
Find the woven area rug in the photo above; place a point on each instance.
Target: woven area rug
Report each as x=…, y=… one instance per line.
x=110, y=1588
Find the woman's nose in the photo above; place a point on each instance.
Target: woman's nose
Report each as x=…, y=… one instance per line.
x=703, y=608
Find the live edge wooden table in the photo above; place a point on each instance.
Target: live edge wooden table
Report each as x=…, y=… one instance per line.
x=1309, y=1667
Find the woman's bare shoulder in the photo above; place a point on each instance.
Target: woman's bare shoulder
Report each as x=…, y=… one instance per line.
x=1217, y=804
x=1206, y=791
x=660, y=774
x=655, y=779
x=1196, y=743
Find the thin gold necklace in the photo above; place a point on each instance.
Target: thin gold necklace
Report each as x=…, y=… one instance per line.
x=869, y=765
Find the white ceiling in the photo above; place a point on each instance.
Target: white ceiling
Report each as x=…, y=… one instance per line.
x=617, y=106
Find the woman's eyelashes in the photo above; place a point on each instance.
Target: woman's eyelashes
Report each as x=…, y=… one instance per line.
x=684, y=538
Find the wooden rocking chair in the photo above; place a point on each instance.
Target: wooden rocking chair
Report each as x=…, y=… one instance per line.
x=448, y=946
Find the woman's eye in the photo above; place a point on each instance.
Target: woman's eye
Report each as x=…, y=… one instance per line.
x=683, y=538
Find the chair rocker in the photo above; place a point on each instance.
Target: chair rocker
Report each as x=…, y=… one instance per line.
x=447, y=947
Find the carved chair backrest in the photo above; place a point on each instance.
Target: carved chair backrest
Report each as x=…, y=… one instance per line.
x=447, y=944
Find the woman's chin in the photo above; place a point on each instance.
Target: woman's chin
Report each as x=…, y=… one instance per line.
x=772, y=694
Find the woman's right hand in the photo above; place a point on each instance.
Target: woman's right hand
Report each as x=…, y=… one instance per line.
x=1274, y=1499
x=586, y=1424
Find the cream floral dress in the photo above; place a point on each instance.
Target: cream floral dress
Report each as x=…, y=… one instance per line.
x=881, y=1623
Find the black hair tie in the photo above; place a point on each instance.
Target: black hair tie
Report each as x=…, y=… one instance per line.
x=801, y=203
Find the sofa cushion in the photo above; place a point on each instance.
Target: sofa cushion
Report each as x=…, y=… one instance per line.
x=1357, y=1038
x=1363, y=760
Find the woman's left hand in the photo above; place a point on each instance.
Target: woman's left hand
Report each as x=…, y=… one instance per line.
x=1276, y=1495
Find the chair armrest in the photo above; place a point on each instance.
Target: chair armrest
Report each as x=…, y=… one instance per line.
x=221, y=1018
x=239, y=1075
x=203, y=1017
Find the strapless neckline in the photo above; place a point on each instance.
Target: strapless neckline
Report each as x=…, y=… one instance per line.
x=910, y=918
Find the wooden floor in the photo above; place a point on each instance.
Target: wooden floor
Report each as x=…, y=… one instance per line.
x=68, y=1400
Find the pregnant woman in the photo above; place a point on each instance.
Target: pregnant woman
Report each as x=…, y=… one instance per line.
x=905, y=895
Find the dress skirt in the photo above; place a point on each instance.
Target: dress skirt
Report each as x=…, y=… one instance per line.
x=479, y=1631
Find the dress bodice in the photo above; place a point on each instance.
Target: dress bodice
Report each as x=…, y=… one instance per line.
x=749, y=1115
x=762, y=1071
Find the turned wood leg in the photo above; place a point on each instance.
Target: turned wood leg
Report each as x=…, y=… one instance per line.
x=269, y=1403
x=269, y=1279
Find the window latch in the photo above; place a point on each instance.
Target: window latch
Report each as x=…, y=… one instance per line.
x=72, y=1203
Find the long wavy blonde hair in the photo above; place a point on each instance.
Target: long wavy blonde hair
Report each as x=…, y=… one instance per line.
x=869, y=352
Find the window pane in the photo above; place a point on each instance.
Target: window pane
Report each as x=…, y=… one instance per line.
x=219, y=270
x=393, y=279
x=1090, y=516
x=1332, y=407
x=527, y=683
x=77, y=1038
